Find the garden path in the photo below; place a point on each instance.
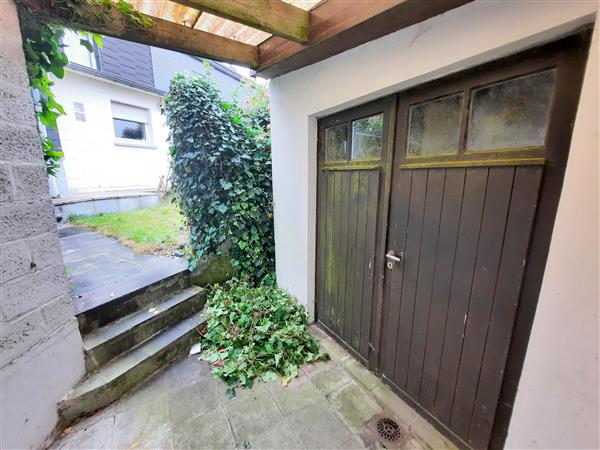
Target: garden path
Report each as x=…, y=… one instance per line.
x=96, y=265
x=184, y=407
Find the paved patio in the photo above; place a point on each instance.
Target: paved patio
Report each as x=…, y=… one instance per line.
x=184, y=407
x=98, y=266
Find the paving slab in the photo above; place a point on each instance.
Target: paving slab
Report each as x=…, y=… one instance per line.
x=144, y=426
x=280, y=437
x=297, y=395
x=96, y=264
x=210, y=431
x=253, y=414
x=354, y=406
x=192, y=401
x=184, y=407
x=318, y=427
x=95, y=436
x=327, y=377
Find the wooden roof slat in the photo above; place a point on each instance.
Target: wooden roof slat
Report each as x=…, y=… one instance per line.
x=273, y=16
x=162, y=33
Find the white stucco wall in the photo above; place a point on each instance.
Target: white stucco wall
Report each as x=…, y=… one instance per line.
x=93, y=162
x=557, y=402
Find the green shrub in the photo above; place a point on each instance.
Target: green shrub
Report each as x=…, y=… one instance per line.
x=221, y=165
x=256, y=331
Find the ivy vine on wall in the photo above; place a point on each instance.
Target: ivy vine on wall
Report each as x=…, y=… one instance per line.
x=221, y=165
x=44, y=52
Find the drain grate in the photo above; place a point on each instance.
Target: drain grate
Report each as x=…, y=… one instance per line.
x=387, y=431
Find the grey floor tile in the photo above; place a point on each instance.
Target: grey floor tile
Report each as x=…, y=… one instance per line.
x=299, y=394
x=280, y=437
x=144, y=426
x=95, y=436
x=192, y=401
x=253, y=414
x=354, y=406
x=210, y=431
x=319, y=428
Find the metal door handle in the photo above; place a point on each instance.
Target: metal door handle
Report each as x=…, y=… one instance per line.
x=392, y=256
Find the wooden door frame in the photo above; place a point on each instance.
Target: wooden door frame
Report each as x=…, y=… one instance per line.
x=387, y=106
x=569, y=56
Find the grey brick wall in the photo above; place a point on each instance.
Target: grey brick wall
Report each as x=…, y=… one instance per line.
x=35, y=309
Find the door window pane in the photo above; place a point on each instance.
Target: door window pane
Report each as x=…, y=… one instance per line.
x=511, y=114
x=434, y=126
x=336, y=143
x=366, y=137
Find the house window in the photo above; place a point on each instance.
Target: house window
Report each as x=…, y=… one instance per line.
x=131, y=124
x=76, y=52
x=79, y=111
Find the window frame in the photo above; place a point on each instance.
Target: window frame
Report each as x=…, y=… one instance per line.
x=466, y=83
x=148, y=142
x=379, y=106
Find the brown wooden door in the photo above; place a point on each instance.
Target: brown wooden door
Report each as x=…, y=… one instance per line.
x=462, y=200
x=353, y=147
x=449, y=306
x=477, y=160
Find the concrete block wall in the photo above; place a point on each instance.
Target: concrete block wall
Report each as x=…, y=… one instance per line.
x=41, y=352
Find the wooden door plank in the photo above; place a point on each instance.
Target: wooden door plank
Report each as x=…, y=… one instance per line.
x=368, y=274
x=321, y=242
x=466, y=250
x=359, y=261
x=489, y=252
x=426, y=274
x=411, y=270
x=335, y=254
x=325, y=312
x=444, y=264
x=398, y=221
x=510, y=276
x=342, y=243
x=350, y=260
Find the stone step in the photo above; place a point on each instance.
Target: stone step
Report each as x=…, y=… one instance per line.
x=126, y=371
x=103, y=344
x=111, y=303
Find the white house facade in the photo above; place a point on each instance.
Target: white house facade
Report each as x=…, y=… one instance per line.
x=113, y=135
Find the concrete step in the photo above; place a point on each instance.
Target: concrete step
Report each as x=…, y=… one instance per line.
x=103, y=344
x=111, y=303
x=127, y=370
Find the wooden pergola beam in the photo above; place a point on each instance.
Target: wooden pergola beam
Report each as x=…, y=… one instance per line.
x=339, y=25
x=161, y=33
x=273, y=16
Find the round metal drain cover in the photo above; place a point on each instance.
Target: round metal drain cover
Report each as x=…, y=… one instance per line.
x=389, y=429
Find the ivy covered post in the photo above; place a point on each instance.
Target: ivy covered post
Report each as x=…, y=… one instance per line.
x=221, y=165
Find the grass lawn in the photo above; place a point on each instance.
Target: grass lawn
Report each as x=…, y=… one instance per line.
x=148, y=230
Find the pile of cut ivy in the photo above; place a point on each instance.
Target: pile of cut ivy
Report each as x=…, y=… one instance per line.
x=256, y=332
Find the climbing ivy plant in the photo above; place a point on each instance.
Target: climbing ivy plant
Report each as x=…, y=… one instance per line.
x=221, y=173
x=44, y=52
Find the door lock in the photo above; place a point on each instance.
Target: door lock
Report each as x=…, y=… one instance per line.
x=392, y=258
